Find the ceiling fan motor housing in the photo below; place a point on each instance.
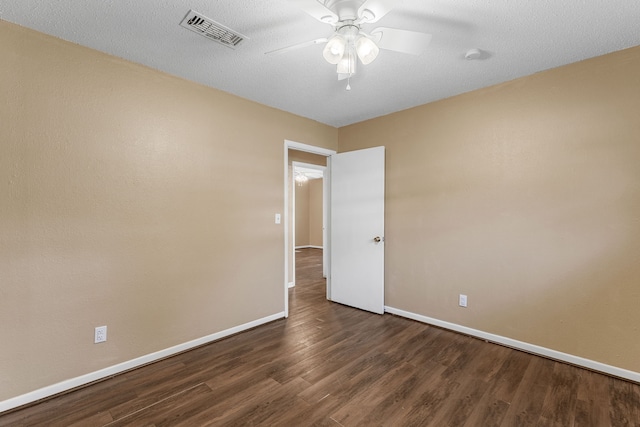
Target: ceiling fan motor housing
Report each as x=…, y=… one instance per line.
x=345, y=9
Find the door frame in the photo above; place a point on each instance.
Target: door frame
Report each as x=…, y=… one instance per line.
x=298, y=146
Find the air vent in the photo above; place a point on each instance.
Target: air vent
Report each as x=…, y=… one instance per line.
x=212, y=30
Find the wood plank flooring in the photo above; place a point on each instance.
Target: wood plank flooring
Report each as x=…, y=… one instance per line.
x=331, y=365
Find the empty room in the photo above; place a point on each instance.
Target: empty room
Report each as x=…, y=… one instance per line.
x=475, y=252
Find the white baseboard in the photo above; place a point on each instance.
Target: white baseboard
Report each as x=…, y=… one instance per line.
x=291, y=284
x=520, y=345
x=309, y=247
x=72, y=383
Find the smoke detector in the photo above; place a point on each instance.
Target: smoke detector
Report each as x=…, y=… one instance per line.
x=473, y=54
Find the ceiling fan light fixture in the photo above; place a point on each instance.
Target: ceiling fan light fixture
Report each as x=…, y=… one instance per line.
x=367, y=49
x=347, y=64
x=301, y=178
x=334, y=49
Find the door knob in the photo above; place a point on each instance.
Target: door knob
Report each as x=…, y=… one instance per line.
x=377, y=239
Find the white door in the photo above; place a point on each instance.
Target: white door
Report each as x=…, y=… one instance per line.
x=357, y=229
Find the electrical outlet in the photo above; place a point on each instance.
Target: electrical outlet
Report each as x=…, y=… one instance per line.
x=100, y=334
x=462, y=301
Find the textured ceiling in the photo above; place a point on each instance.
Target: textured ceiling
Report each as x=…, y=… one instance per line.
x=518, y=38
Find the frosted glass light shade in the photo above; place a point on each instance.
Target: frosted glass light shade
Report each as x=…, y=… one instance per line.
x=334, y=50
x=347, y=64
x=367, y=49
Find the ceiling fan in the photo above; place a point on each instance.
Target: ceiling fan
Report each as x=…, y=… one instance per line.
x=348, y=42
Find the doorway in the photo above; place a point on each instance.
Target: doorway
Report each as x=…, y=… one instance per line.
x=309, y=209
x=354, y=247
x=301, y=153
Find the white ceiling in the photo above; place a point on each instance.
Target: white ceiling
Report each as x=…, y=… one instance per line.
x=518, y=38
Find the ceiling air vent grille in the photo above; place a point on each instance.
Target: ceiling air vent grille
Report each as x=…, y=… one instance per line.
x=212, y=30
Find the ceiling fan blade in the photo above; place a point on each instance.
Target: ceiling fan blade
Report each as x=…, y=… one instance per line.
x=378, y=9
x=404, y=41
x=297, y=46
x=317, y=10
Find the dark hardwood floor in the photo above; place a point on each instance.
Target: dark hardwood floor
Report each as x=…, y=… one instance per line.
x=331, y=365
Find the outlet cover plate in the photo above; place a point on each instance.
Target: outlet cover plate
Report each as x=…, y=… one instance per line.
x=100, y=334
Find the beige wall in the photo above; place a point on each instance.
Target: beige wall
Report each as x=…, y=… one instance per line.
x=526, y=197
x=302, y=214
x=315, y=212
x=130, y=199
x=308, y=207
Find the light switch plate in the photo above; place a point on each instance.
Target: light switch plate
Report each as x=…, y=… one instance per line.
x=462, y=302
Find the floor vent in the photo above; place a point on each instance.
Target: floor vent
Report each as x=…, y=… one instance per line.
x=212, y=30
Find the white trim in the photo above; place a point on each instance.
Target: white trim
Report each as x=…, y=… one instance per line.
x=326, y=232
x=82, y=380
x=309, y=247
x=286, y=229
x=325, y=219
x=305, y=165
x=292, y=284
x=292, y=187
x=292, y=145
x=520, y=345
